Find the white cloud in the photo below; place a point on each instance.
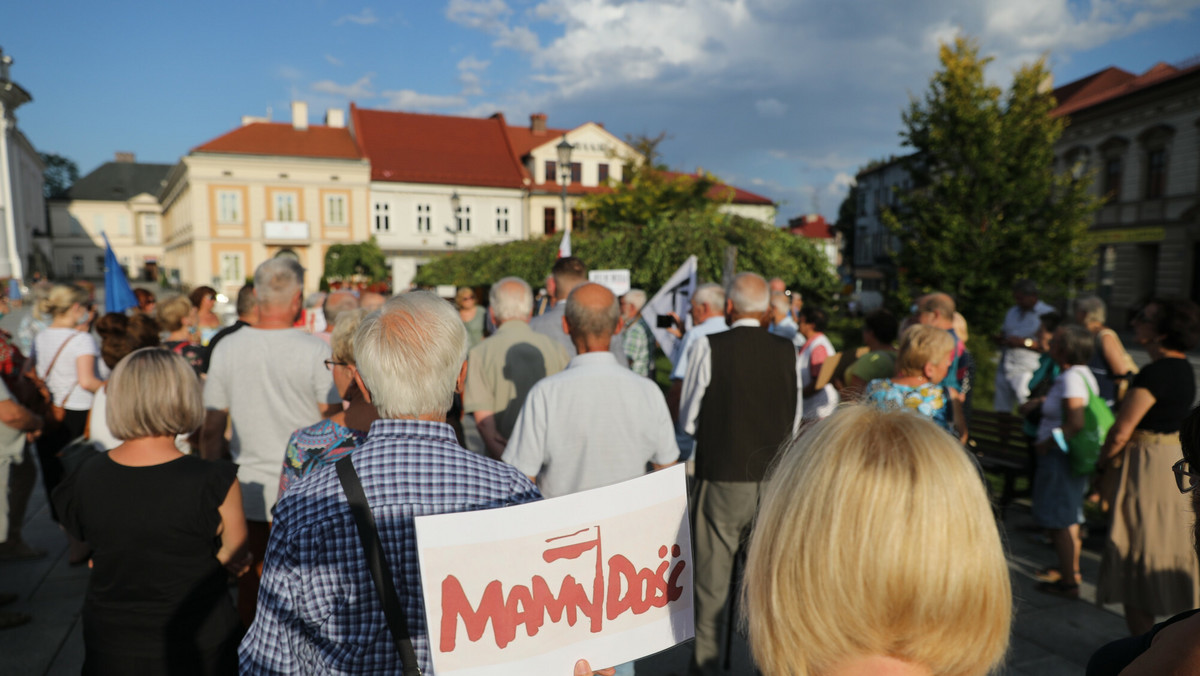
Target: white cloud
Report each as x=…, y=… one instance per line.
x=363, y=18
x=359, y=89
x=492, y=17
x=290, y=73
x=333, y=60
x=470, y=75
x=770, y=107
x=407, y=99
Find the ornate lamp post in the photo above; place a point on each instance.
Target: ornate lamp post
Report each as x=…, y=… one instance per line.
x=564, y=170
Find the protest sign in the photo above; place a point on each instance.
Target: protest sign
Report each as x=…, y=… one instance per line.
x=616, y=281
x=675, y=296
x=603, y=575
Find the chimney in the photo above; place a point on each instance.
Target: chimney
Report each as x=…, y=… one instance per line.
x=537, y=123
x=335, y=117
x=299, y=115
x=127, y=158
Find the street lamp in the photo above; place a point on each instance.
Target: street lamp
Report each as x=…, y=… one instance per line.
x=455, y=203
x=564, y=170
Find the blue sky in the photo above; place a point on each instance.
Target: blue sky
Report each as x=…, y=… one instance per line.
x=787, y=98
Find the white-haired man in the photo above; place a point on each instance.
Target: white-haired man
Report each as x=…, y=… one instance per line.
x=503, y=368
x=708, y=317
x=639, y=340
x=319, y=612
x=741, y=401
x=269, y=380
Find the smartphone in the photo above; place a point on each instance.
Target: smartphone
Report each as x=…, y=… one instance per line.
x=1060, y=439
x=665, y=321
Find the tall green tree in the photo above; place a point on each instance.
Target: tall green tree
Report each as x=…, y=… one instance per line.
x=60, y=174
x=987, y=206
x=362, y=262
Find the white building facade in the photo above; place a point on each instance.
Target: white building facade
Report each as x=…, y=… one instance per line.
x=22, y=202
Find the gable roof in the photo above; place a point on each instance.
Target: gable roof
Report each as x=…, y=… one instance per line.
x=440, y=149
x=119, y=181
x=723, y=192
x=282, y=139
x=1113, y=83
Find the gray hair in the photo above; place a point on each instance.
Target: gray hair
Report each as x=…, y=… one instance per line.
x=711, y=295
x=277, y=281
x=586, y=321
x=1075, y=344
x=636, y=298
x=341, y=340
x=336, y=303
x=1092, y=309
x=510, y=298
x=781, y=302
x=409, y=354
x=749, y=293
x=246, y=302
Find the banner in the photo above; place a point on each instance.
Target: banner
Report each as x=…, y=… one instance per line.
x=118, y=295
x=616, y=281
x=675, y=296
x=603, y=575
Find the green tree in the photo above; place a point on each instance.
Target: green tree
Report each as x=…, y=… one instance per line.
x=359, y=263
x=59, y=175
x=986, y=206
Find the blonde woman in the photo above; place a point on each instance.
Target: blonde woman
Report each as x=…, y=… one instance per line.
x=164, y=528
x=178, y=319
x=875, y=551
x=65, y=355
x=325, y=442
x=926, y=353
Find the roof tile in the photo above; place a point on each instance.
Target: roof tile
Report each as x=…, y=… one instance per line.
x=282, y=139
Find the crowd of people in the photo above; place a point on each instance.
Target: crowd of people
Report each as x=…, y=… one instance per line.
x=835, y=487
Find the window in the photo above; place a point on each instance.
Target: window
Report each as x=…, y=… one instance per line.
x=1156, y=174
x=576, y=172
x=424, y=219
x=233, y=268
x=150, y=228
x=463, y=219
x=335, y=210
x=76, y=266
x=285, y=206
x=551, y=171
x=548, y=219
x=502, y=220
x=100, y=264
x=229, y=206
x=123, y=226
x=1112, y=179
x=603, y=173
x=98, y=223
x=383, y=220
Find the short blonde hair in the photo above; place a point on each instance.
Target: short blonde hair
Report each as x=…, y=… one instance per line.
x=173, y=311
x=342, y=338
x=153, y=393
x=62, y=298
x=921, y=345
x=875, y=537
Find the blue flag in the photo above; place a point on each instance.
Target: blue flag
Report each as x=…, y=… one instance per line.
x=118, y=295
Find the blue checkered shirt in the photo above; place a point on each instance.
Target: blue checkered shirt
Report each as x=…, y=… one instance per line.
x=318, y=611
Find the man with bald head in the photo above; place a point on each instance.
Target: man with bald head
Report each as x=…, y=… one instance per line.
x=596, y=423
x=336, y=303
x=741, y=401
x=502, y=369
x=371, y=301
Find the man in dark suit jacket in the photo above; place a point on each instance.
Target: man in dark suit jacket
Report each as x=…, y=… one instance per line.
x=741, y=402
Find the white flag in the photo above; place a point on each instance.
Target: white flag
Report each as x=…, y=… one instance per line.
x=564, y=247
x=675, y=296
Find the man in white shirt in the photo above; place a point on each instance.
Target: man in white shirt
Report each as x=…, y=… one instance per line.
x=1019, y=358
x=270, y=380
x=708, y=317
x=596, y=423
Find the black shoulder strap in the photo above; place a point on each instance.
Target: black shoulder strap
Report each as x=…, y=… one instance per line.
x=364, y=522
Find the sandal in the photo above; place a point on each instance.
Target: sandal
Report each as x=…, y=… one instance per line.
x=1051, y=574
x=1061, y=589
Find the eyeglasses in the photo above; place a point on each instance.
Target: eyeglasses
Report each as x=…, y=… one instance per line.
x=329, y=364
x=1184, y=478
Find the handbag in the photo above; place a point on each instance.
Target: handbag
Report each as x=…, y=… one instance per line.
x=364, y=523
x=1083, y=449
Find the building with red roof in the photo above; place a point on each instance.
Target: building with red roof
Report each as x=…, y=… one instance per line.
x=815, y=228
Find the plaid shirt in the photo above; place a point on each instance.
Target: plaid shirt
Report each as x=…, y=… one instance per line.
x=318, y=611
x=639, y=347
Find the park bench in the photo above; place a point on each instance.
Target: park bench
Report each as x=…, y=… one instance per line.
x=999, y=444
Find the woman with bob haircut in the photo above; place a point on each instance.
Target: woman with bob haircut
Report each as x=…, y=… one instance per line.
x=875, y=551
x=165, y=528
x=925, y=356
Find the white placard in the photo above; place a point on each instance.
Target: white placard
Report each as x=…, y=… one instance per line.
x=675, y=296
x=603, y=575
x=617, y=281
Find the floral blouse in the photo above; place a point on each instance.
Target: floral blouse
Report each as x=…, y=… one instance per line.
x=318, y=445
x=928, y=399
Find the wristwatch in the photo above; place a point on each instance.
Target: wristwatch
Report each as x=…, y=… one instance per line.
x=1028, y=343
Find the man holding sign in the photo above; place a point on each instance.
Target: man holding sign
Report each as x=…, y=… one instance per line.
x=318, y=608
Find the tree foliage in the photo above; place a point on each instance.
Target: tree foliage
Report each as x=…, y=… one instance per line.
x=59, y=175
x=987, y=207
x=359, y=263
x=651, y=252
